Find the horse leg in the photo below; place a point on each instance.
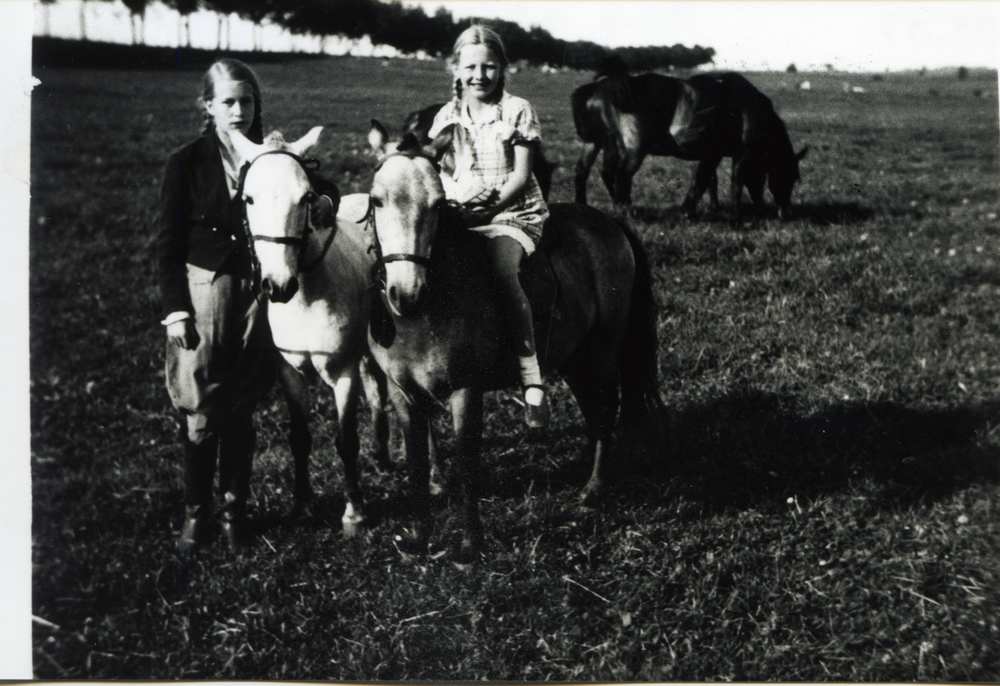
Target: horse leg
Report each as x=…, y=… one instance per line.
x=596, y=392
x=583, y=165
x=377, y=392
x=413, y=420
x=704, y=177
x=736, y=190
x=295, y=388
x=753, y=179
x=467, y=418
x=627, y=167
x=609, y=171
x=346, y=390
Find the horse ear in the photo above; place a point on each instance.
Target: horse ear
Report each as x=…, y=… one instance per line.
x=247, y=149
x=307, y=142
x=378, y=137
x=442, y=141
x=801, y=153
x=408, y=143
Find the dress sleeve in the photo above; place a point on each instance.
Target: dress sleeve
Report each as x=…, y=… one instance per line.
x=446, y=115
x=524, y=120
x=173, y=231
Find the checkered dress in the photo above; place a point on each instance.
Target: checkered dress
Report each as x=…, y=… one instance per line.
x=484, y=159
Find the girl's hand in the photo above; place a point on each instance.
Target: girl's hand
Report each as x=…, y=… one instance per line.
x=183, y=334
x=321, y=210
x=476, y=216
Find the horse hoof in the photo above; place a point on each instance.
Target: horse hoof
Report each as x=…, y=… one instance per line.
x=354, y=521
x=592, y=496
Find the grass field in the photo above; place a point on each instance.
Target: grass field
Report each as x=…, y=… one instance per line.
x=826, y=508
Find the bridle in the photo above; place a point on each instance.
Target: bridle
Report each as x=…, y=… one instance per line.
x=309, y=167
x=378, y=268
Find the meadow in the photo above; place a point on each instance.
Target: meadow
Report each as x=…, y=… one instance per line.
x=824, y=508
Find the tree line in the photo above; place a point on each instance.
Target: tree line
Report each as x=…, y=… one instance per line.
x=411, y=30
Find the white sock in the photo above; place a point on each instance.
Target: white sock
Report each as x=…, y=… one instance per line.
x=531, y=375
x=534, y=395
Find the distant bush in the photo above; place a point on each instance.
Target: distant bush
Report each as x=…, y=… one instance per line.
x=792, y=69
x=963, y=73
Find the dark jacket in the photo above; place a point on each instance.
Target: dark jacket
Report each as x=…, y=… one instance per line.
x=199, y=223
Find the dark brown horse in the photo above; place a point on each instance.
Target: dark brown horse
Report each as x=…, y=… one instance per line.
x=704, y=118
x=419, y=124
x=443, y=341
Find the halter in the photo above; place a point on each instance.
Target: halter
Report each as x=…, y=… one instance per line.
x=309, y=167
x=378, y=269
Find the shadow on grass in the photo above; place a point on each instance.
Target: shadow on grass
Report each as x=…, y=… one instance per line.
x=746, y=450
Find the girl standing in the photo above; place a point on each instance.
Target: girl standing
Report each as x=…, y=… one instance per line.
x=220, y=357
x=494, y=138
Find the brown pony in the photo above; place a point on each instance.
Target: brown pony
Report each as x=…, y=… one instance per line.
x=443, y=342
x=704, y=118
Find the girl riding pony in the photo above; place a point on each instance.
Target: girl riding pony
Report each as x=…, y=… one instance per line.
x=493, y=142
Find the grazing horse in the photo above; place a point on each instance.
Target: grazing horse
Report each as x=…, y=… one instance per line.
x=317, y=280
x=443, y=341
x=704, y=118
x=419, y=124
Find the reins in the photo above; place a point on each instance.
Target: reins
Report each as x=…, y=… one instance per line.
x=378, y=268
x=309, y=166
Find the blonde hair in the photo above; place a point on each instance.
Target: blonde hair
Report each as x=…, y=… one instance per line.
x=477, y=34
x=228, y=69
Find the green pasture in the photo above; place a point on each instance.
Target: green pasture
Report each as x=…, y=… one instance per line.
x=825, y=507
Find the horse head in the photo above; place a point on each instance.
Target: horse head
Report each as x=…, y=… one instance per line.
x=407, y=199
x=277, y=195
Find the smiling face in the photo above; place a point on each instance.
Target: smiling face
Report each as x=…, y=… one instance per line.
x=231, y=106
x=478, y=70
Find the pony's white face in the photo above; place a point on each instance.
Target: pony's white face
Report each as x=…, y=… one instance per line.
x=278, y=196
x=406, y=197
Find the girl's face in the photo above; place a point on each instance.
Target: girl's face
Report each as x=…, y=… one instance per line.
x=478, y=70
x=232, y=108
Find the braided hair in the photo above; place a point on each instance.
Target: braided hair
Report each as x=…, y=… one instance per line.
x=477, y=34
x=231, y=70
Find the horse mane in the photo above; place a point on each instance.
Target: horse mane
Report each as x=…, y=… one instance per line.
x=613, y=83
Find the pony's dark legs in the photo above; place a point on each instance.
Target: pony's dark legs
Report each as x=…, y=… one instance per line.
x=348, y=447
x=583, y=165
x=467, y=419
x=413, y=420
x=295, y=388
x=596, y=390
x=746, y=173
x=376, y=391
x=705, y=177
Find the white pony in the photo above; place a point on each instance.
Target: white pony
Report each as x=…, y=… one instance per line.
x=317, y=280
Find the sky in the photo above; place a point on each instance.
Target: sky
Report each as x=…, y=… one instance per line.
x=852, y=35
x=748, y=35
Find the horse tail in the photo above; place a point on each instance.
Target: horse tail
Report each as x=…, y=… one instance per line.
x=586, y=128
x=615, y=85
x=641, y=406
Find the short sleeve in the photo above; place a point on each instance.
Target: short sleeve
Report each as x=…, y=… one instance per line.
x=521, y=115
x=446, y=115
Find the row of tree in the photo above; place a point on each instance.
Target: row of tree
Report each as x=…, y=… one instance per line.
x=411, y=30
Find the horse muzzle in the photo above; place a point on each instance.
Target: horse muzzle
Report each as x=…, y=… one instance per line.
x=280, y=293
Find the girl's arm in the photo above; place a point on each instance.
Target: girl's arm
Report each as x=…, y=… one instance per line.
x=518, y=179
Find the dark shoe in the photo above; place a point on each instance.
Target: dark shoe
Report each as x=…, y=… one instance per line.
x=537, y=416
x=197, y=530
